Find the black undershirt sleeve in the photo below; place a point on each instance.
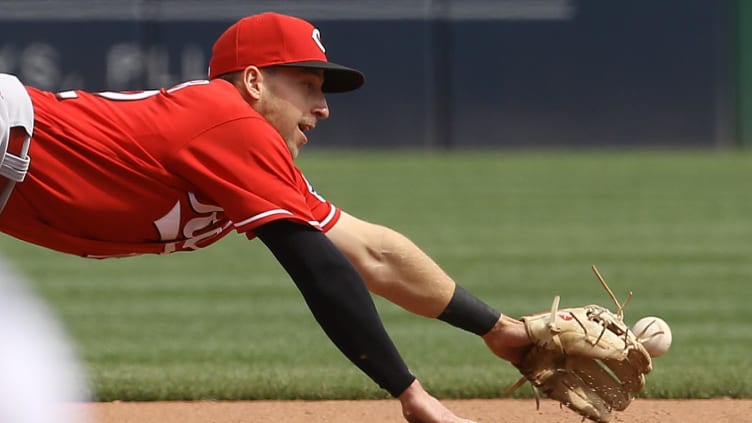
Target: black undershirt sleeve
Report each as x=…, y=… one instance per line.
x=338, y=299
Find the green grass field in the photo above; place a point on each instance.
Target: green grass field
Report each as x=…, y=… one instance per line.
x=516, y=228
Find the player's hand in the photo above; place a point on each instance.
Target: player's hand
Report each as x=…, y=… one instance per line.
x=418, y=406
x=508, y=339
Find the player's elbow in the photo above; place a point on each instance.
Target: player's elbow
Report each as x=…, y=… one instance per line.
x=379, y=263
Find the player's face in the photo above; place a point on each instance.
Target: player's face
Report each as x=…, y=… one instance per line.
x=292, y=101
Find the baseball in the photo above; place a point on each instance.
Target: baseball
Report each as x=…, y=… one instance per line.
x=654, y=334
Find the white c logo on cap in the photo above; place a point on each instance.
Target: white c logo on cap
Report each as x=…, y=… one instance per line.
x=316, y=35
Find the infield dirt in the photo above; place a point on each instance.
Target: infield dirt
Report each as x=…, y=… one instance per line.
x=483, y=411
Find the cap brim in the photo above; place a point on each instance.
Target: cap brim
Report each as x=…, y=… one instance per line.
x=337, y=78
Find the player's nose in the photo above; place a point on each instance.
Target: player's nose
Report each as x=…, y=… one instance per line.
x=321, y=108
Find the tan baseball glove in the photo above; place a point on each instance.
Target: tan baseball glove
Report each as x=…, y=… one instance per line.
x=586, y=357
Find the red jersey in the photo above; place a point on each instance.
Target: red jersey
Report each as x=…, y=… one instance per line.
x=116, y=174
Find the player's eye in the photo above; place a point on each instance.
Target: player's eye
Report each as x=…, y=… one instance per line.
x=312, y=85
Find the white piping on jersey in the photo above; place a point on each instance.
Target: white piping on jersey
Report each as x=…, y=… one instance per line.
x=329, y=217
x=261, y=216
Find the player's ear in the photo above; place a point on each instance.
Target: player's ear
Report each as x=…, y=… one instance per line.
x=250, y=81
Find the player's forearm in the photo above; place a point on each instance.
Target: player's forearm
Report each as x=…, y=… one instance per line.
x=338, y=300
x=396, y=269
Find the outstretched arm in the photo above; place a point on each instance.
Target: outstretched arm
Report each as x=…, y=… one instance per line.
x=341, y=304
x=338, y=300
x=398, y=270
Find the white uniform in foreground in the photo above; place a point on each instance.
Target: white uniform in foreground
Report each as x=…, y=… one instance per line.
x=39, y=374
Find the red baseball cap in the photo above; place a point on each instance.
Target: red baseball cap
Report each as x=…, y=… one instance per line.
x=271, y=39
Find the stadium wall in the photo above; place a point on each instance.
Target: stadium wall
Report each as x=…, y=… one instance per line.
x=440, y=73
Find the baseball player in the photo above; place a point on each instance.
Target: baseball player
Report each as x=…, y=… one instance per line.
x=115, y=174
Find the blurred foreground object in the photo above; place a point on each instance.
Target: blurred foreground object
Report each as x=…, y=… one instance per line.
x=39, y=374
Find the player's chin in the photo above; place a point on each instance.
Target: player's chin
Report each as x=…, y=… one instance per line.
x=293, y=147
x=297, y=144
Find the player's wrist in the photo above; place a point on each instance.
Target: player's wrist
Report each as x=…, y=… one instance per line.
x=468, y=312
